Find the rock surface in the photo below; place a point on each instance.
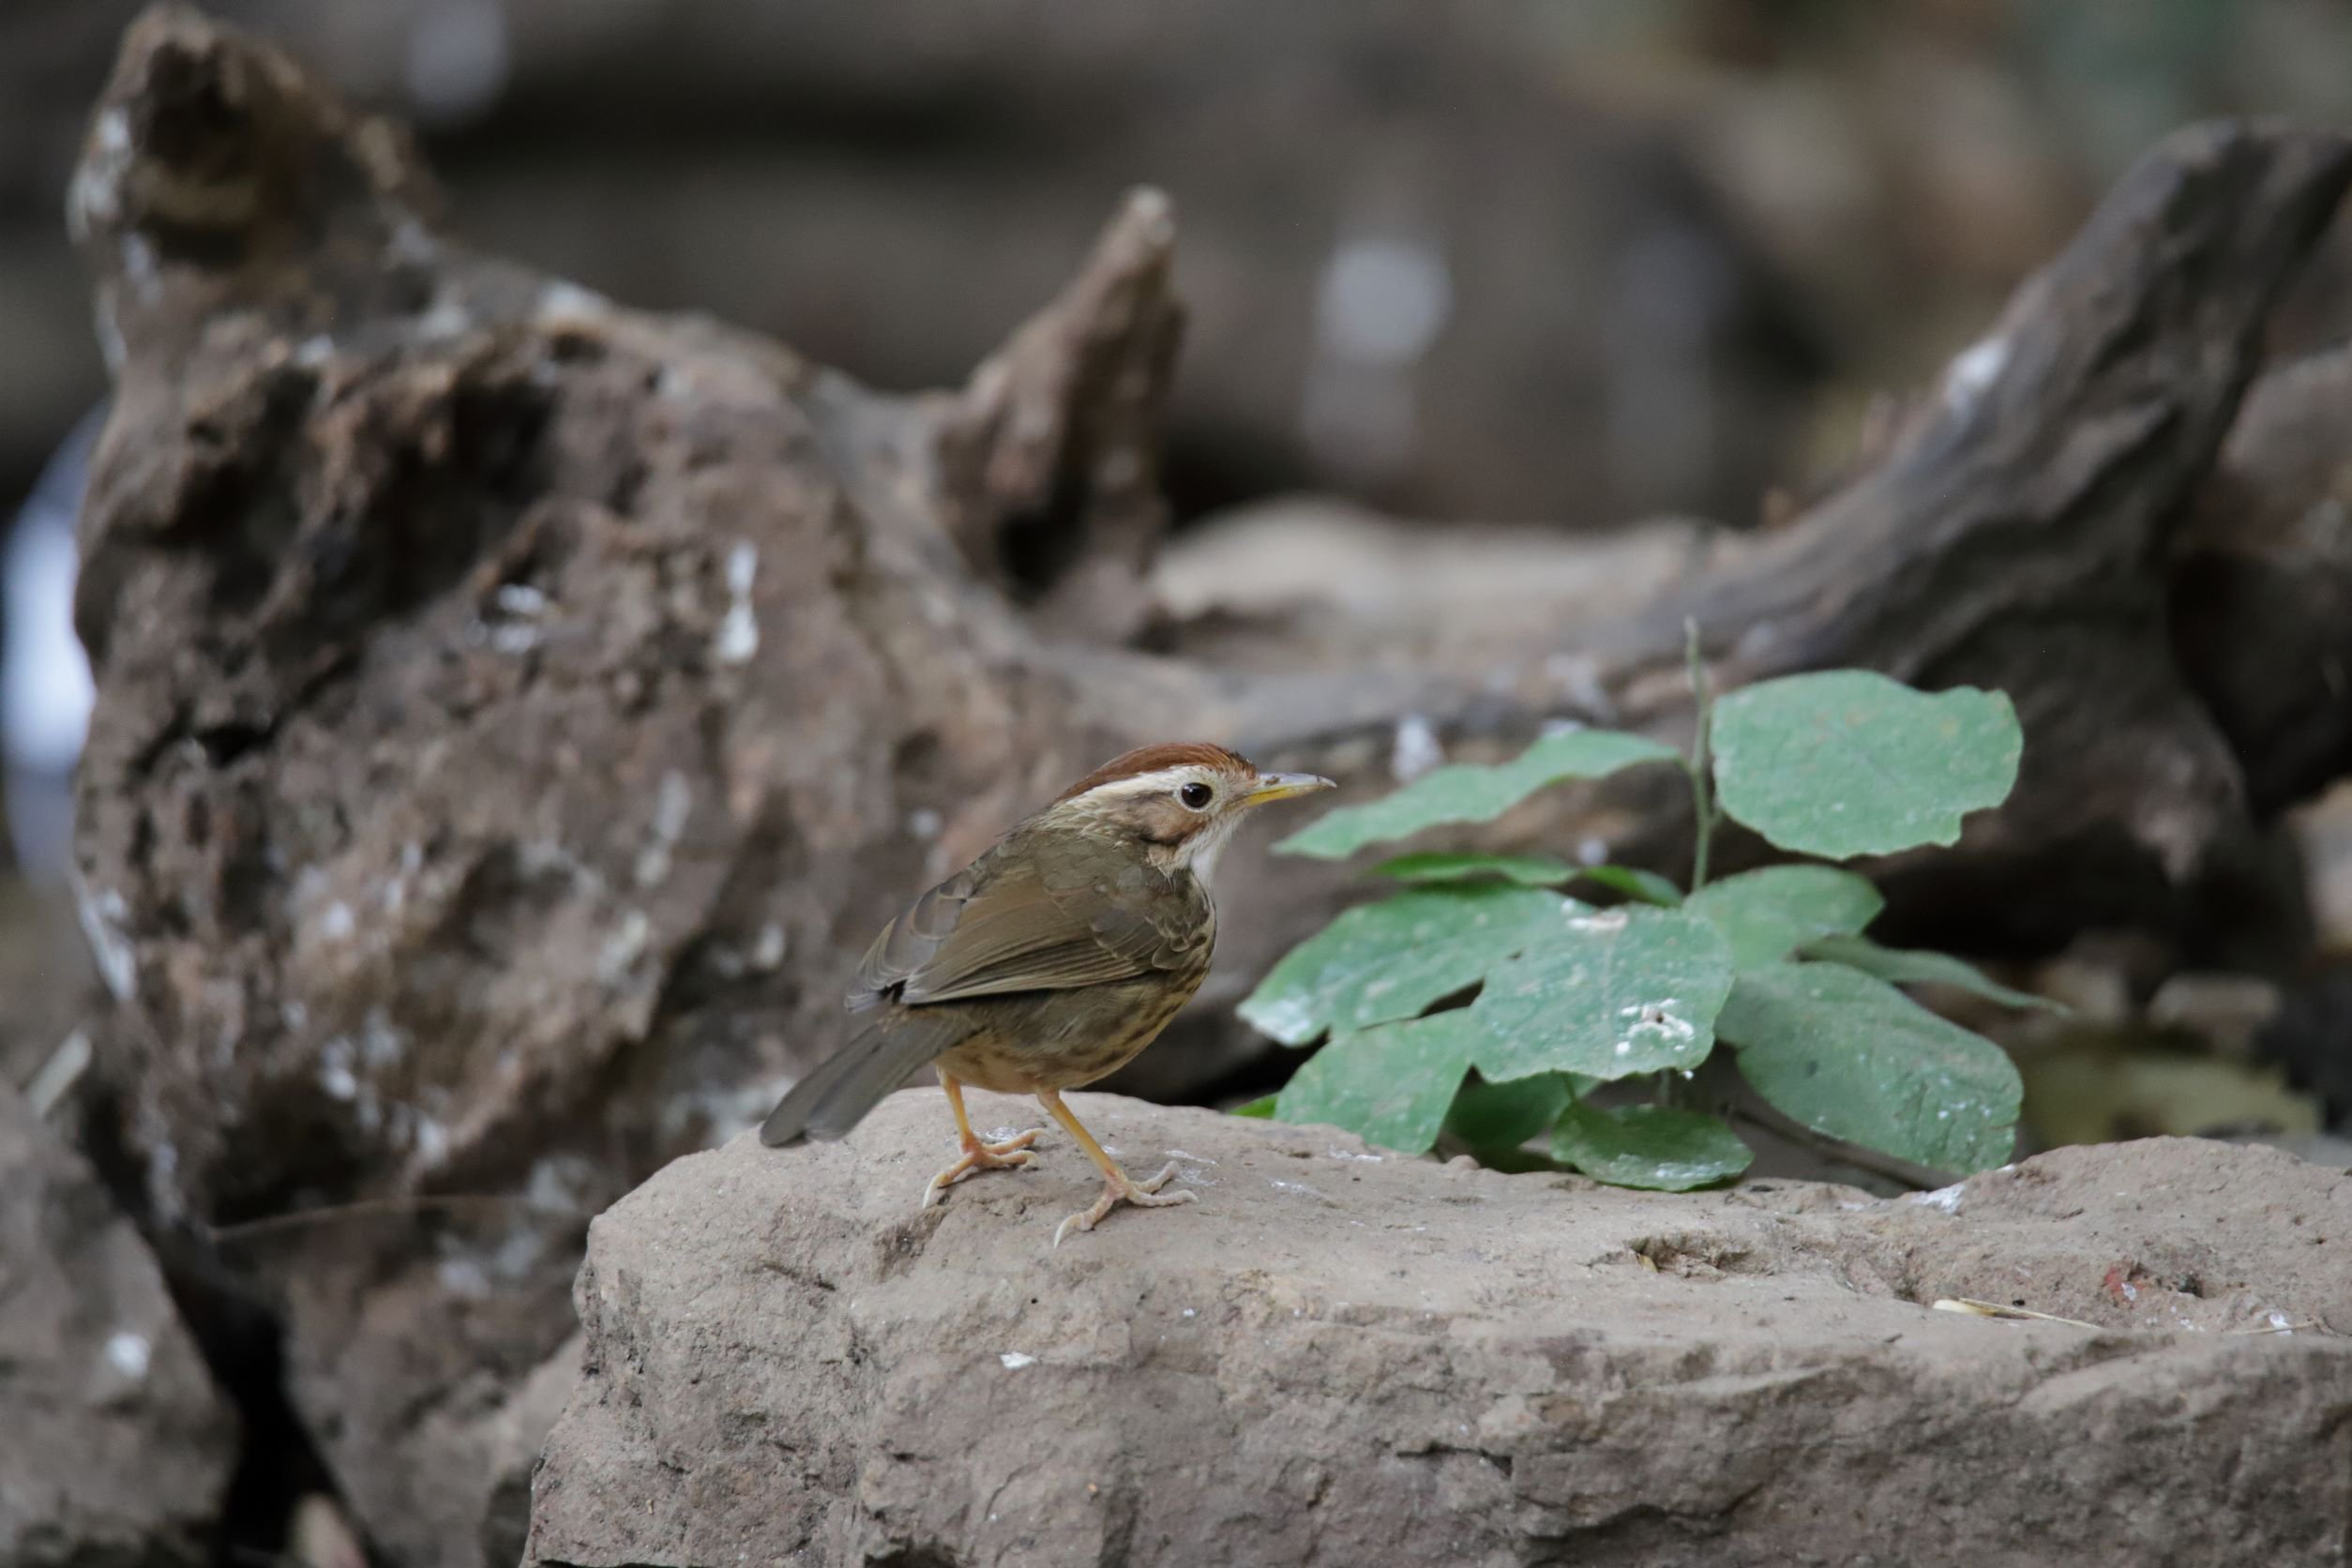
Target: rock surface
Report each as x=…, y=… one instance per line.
x=114, y=1446
x=1342, y=1356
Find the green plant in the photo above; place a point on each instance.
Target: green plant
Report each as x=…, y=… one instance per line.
x=1541, y=998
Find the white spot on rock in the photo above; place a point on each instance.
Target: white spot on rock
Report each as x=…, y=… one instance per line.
x=129, y=1353
x=337, y=1059
x=561, y=301
x=464, y=1278
x=444, y=318
x=1971, y=371
x=96, y=193
x=521, y=598
x=673, y=802
x=624, y=947
x=1945, y=1199
x=739, y=631
x=1014, y=1361
x=139, y=269
x=102, y=915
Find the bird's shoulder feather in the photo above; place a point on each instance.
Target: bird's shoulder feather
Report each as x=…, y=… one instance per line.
x=1039, y=910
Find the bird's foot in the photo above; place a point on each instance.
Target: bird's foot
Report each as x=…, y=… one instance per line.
x=1009, y=1154
x=1126, y=1189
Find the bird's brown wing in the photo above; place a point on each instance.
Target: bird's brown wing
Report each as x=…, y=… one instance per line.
x=1041, y=918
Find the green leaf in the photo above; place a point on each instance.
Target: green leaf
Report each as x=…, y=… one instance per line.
x=1655, y=1147
x=1907, y=966
x=1380, y=963
x=1389, y=1085
x=1849, y=1055
x=1848, y=762
x=1261, y=1108
x=1527, y=870
x=1469, y=793
x=1505, y=1115
x=1768, y=914
x=1629, y=990
x=1647, y=887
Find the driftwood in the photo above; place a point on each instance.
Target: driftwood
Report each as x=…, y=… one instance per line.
x=517, y=710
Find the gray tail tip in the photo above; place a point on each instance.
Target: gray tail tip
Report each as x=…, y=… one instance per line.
x=785, y=1132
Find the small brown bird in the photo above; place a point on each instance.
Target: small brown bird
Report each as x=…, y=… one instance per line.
x=1047, y=962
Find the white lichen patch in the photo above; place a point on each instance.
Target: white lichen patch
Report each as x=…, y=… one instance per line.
x=380, y=1044
x=1971, y=371
x=673, y=803
x=624, y=947
x=738, y=636
x=337, y=1068
x=102, y=915
x=139, y=270
x=464, y=1278
x=1944, y=1198
x=130, y=1353
x=521, y=599
x=95, y=196
x=567, y=304
x=442, y=319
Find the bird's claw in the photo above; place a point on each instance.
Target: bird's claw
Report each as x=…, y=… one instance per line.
x=1009, y=1154
x=1143, y=1195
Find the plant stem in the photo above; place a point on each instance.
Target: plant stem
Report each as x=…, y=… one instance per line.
x=1700, y=762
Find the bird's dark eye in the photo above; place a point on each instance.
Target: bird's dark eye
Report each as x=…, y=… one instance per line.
x=1196, y=795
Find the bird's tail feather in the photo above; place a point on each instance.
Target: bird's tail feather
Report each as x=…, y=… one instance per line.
x=837, y=1095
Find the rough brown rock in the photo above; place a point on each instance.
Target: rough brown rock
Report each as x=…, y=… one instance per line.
x=1340, y=1356
x=115, y=1448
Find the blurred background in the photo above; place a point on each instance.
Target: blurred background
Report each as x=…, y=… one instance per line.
x=1562, y=264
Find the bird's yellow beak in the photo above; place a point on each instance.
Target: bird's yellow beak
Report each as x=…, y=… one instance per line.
x=1282, y=786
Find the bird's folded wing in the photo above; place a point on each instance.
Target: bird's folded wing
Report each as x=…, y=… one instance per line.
x=1006, y=924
